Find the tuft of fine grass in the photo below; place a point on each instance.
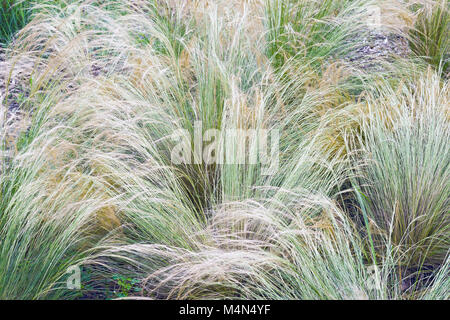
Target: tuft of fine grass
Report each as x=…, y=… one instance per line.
x=429, y=38
x=91, y=182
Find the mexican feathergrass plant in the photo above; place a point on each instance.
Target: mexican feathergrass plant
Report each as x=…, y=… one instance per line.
x=405, y=173
x=45, y=227
x=91, y=182
x=429, y=38
x=15, y=14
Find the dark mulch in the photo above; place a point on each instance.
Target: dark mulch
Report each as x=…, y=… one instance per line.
x=376, y=46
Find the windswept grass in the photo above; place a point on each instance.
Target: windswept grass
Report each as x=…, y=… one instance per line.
x=404, y=184
x=429, y=38
x=15, y=14
x=356, y=206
